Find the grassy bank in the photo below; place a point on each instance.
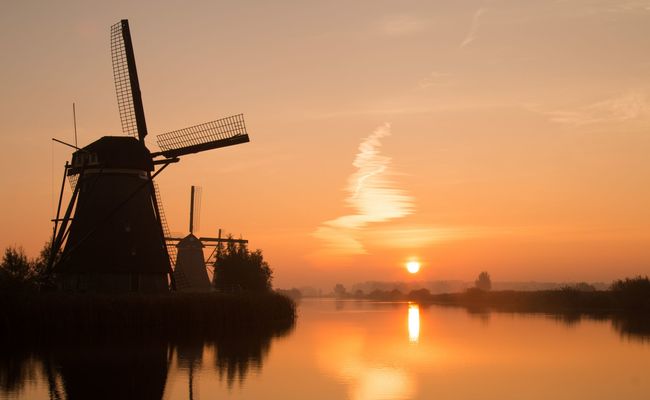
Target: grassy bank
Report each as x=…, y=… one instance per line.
x=58, y=315
x=630, y=295
x=542, y=301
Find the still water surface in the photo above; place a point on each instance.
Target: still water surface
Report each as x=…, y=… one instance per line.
x=360, y=350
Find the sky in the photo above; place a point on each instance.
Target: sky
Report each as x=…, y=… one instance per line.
x=509, y=136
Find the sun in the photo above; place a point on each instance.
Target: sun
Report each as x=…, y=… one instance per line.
x=413, y=266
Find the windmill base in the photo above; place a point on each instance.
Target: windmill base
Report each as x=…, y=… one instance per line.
x=113, y=282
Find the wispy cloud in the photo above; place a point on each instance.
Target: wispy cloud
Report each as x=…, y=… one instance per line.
x=473, y=28
x=626, y=107
x=435, y=78
x=371, y=194
x=402, y=25
x=619, y=6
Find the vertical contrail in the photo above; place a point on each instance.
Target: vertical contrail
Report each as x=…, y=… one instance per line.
x=371, y=194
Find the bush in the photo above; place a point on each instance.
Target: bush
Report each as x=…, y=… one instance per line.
x=16, y=272
x=238, y=269
x=483, y=282
x=632, y=292
x=419, y=294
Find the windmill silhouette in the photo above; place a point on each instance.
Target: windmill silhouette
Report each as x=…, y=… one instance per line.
x=190, y=272
x=115, y=241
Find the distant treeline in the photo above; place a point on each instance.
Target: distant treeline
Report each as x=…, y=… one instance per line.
x=627, y=294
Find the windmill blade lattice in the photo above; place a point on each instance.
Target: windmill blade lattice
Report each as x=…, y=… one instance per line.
x=127, y=87
x=210, y=135
x=171, y=248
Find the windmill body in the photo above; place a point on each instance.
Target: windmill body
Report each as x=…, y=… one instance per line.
x=112, y=235
x=191, y=269
x=191, y=272
x=115, y=242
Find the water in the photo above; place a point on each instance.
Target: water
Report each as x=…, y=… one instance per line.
x=356, y=350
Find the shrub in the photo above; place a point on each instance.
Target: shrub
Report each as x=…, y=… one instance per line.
x=632, y=292
x=16, y=272
x=238, y=269
x=483, y=281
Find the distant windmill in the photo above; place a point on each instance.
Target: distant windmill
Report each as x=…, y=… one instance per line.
x=190, y=272
x=116, y=240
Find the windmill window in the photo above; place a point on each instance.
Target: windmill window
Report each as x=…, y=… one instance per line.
x=79, y=159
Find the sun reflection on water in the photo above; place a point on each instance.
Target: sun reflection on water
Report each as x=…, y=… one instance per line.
x=414, y=323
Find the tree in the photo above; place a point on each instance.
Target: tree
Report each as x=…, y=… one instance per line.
x=237, y=269
x=632, y=292
x=16, y=272
x=419, y=294
x=339, y=290
x=41, y=278
x=483, y=282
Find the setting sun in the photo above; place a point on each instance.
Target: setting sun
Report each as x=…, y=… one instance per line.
x=413, y=266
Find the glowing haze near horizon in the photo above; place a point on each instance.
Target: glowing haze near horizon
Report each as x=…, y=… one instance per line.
x=508, y=136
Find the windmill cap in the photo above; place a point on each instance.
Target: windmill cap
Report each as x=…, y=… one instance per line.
x=189, y=241
x=122, y=152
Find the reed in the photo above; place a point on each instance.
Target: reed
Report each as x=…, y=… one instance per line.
x=59, y=315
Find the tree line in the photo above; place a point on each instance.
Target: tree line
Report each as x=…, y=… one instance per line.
x=238, y=269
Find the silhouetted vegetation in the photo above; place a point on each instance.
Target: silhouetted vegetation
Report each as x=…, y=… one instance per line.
x=420, y=294
x=242, y=270
x=581, y=287
x=19, y=274
x=294, y=293
x=624, y=295
x=633, y=293
x=16, y=272
x=55, y=314
x=483, y=282
x=339, y=290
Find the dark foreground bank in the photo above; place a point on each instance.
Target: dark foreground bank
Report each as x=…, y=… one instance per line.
x=56, y=315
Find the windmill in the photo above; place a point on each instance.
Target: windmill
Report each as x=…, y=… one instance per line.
x=115, y=241
x=190, y=272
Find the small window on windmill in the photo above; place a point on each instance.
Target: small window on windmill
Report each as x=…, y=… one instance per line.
x=93, y=159
x=80, y=159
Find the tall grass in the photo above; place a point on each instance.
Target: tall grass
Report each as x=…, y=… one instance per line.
x=60, y=315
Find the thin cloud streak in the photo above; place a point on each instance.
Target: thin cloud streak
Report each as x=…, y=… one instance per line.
x=370, y=193
x=473, y=29
x=402, y=25
x=630, y=106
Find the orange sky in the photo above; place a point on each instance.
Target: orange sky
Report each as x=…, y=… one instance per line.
x=511, y=136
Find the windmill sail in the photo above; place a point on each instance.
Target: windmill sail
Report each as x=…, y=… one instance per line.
x=195, y=209
x=171, y=248
x=127, y=86
x=223, y=132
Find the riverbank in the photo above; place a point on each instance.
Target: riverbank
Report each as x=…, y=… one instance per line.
x=604, y=301
x=45, y=316
x=631, y=295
